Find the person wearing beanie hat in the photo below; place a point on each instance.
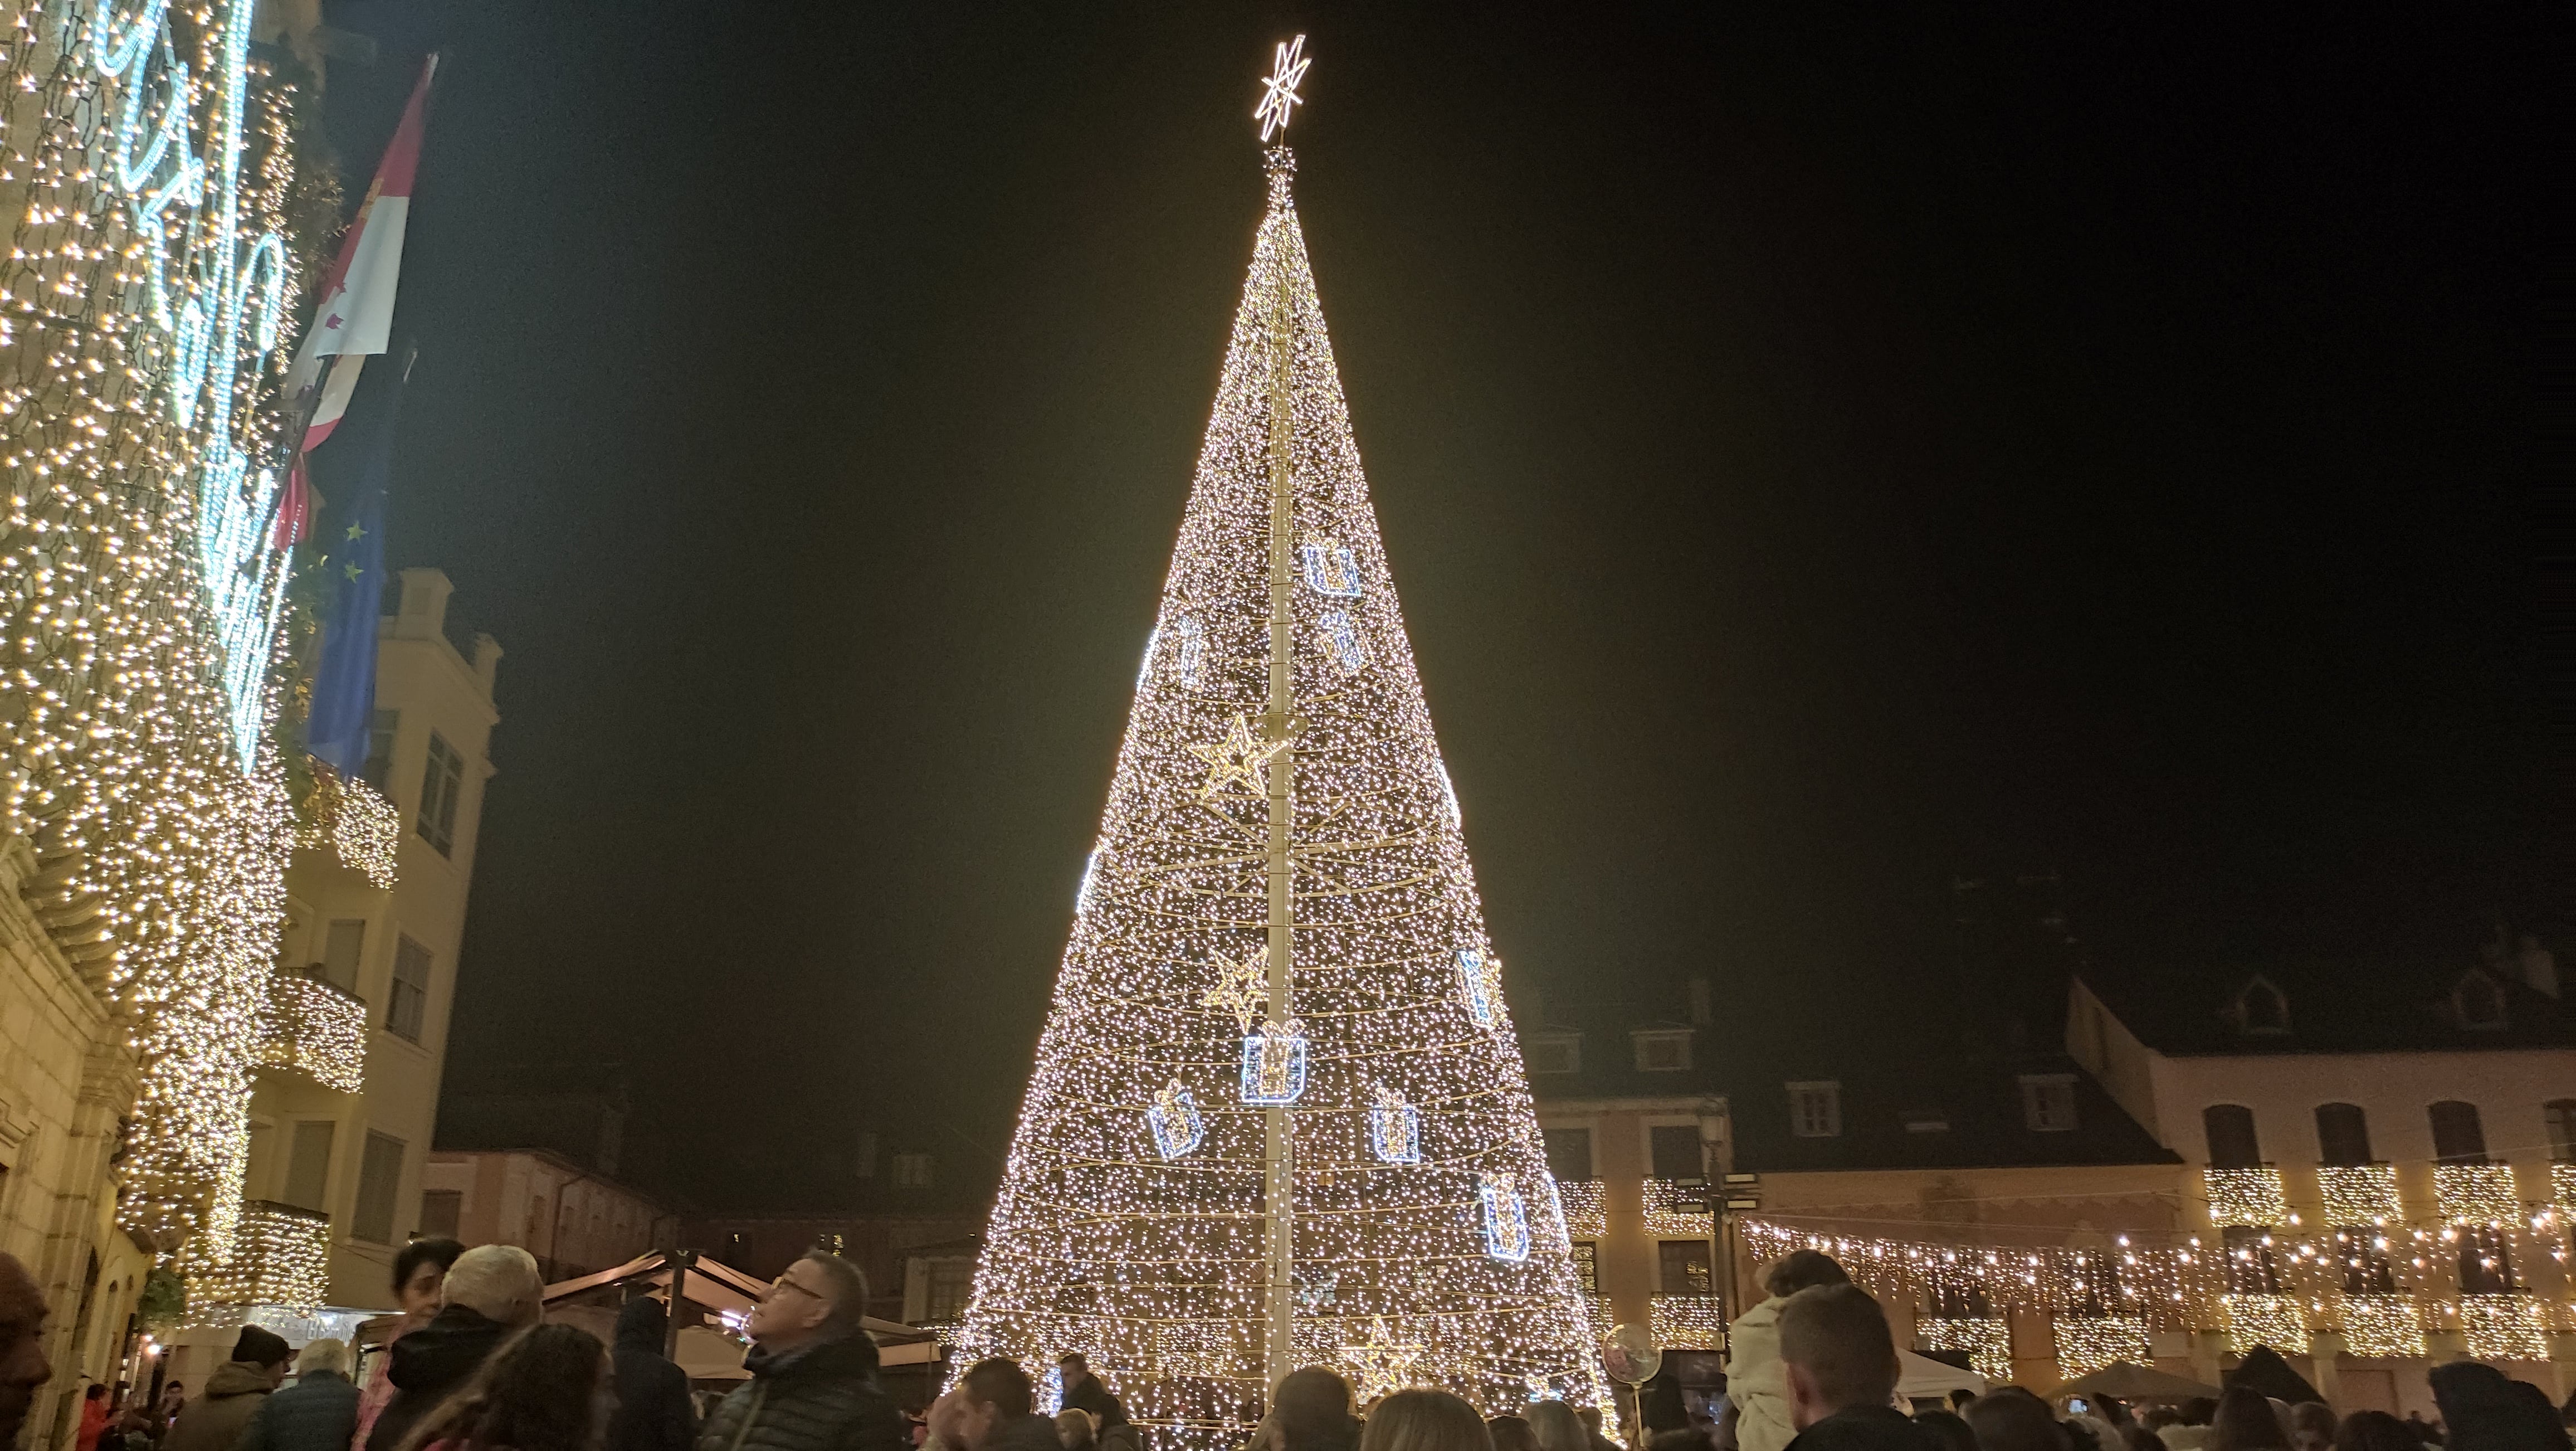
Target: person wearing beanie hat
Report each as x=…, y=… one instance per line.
x=234, y=1393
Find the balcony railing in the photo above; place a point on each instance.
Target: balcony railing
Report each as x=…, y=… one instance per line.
x=2477, y=1195
x=279, y=1255
x=315, y=1029
x=2562, y=1187
x=2245, y=1197
x=2359, y=1194
x=1690, y=1322
x=1678, y=1209
x=1585, y=1216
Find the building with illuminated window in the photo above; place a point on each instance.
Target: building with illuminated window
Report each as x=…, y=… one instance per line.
x=1689, y=1159
x=346, y=1096
x=2384, y=1160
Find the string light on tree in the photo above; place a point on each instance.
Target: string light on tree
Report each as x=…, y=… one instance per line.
x=1212, y=1125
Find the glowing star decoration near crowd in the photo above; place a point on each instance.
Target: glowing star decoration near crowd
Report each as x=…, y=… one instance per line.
x=148, y=169
x=1279, y=98
x=1262, y=1068
x=1381, y=1363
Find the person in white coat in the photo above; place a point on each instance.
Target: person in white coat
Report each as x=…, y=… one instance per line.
x=1756, y=1383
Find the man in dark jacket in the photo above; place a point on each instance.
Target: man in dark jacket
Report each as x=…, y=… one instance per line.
x=493, y=1291
x=317, y=1413
x=1840, y=1363
x=652, y=1393
x=813, y=1383
x=991, y=1409
x=1084, y=1392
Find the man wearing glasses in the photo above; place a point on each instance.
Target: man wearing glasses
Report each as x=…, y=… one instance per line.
x=813, y=1383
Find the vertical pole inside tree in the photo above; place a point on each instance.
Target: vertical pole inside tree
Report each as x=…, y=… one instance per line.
x=1279, y=1186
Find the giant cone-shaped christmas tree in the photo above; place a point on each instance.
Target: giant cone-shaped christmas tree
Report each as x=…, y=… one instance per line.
x=1278, y=1085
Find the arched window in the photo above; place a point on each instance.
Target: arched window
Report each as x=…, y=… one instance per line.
x=2343, y=1134
x=2458, y=1138
x=2263, y=1008
x=2560, y=1115
x=2232, y=1144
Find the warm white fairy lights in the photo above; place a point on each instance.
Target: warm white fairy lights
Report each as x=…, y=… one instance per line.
x=2273, y=1320
x=2248, y=1197
x=280, y=1255
x=1688, y=1322
x=354, y=823
x=2359, y=1194
x=1988, y=1343
x=2504, y=1327
x=317, y=1030
x=2383, y=1325
x=2477, y=1195
x=145, y=188
x=1586, y=1214
x=1676, y=1211
x=2085, y=1344
x=1130, y=1219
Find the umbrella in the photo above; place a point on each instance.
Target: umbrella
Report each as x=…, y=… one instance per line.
x=2123, y=1380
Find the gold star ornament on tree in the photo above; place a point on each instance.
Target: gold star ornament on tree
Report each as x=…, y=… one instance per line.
x=1240, y=757
x=1242, y=988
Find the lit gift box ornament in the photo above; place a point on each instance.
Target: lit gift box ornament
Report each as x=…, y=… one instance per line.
x=1507, y=1235
x=1274, y=1064
x=1174, y=1118
x=1343, y=639
x=1395, y=1129
x=1330, y=569
x=1480, y=979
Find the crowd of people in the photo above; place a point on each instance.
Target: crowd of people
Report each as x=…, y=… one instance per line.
x=472, y=1366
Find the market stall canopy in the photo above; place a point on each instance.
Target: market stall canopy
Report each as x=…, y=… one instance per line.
x=707, y=1284
x=1922, y=1376
x=2124, y=1380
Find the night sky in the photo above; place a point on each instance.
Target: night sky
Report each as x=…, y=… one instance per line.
x=1824, y=454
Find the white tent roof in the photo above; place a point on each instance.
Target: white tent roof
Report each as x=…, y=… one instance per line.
x=1921, y=1375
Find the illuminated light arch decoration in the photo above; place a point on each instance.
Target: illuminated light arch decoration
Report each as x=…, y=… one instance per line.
x=1395, y=1128
x=172, y=190
x=1507, y=1231
x=1274, y=1064
x=1175, y=1122
x=1480, y=983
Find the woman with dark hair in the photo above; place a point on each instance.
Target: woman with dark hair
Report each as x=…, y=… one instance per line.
x=1312, y=1411
x=2376, y=1431
x=548, y=1388
x=1511, y=1433
x=420, y=1281
x=1425, y=1420
x=2245, y=1422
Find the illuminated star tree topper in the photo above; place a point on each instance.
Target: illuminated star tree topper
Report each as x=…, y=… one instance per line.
x=1279, y=98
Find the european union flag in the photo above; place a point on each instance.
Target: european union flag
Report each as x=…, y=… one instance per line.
x=336, y=731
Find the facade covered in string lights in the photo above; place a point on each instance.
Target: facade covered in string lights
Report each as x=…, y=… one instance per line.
x=1279, y=1016
x=162, y=218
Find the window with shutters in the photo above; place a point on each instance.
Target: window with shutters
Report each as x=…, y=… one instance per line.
x=2343, y=1134
x=1816, y=1109
x=308, y=1165
x=379, y=1180
x=2232, y=1144
x=2458, y=1137
x=1569, y=1154
x=440, y=1209
x=344, y=943
x=408, y=1004
x=442, y=782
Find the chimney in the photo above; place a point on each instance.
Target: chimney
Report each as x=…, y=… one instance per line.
x=424, y=604
x=1703, y=1002
x=2538, y=964
x=487, y=660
